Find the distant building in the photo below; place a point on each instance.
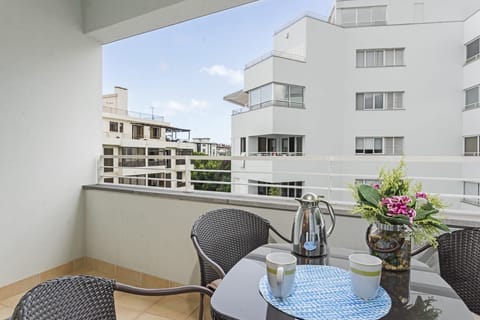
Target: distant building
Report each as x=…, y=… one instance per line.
x=224, y=149
x=204, y=145
x=144, y=138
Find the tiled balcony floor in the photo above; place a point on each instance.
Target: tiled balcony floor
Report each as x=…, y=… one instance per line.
x=130, y=307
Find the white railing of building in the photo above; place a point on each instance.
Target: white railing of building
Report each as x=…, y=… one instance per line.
x=247, y=166
x=278, y=54
x=134, y=114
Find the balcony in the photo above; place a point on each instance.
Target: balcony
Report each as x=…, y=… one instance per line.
x=51, y=224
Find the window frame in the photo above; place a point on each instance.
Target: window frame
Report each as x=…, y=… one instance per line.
x=377, y=53
x=476, y=55
x=475, y=104
x=364, y=106
x=373, y=141
x=370, y=22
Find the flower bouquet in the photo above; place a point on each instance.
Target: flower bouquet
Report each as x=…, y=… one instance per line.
x=399, y=211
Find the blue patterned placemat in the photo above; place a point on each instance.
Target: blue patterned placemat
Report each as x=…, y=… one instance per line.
x=324, y=292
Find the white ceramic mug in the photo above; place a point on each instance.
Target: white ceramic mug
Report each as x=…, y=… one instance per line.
x=365, y=274
x=281, y=268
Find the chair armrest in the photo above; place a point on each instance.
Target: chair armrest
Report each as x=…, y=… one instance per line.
x=164, y=291
x=280, y=235
x=219, y=270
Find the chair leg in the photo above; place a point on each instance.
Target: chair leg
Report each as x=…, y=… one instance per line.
x=200, y=308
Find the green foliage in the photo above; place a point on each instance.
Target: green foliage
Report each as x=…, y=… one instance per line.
x=211, y=176
x=425, y=224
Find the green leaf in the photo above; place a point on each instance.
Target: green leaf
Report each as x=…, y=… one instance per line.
x=400, y=219
x=422, y=213
x=368, y=194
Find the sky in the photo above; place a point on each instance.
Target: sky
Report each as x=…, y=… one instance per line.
x=184, y=71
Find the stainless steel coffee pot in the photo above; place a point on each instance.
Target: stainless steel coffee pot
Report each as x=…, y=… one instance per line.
x=309, y=230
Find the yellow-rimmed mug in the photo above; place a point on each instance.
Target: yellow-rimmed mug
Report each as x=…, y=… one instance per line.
x=281, y=267
x=365, y=274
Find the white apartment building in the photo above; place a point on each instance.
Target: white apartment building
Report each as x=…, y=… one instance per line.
x=380, y=77
x=135, y=146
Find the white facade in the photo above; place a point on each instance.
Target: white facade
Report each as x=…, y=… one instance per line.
x=149, y=140
x=388, y=79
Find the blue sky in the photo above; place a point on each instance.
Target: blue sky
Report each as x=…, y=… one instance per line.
x=184, y=71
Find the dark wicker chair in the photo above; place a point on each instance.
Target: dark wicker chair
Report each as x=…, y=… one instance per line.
x=82, y=298
x=224, y=236
x=459, y=260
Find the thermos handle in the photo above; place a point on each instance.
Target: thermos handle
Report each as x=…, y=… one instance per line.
x=332, y=216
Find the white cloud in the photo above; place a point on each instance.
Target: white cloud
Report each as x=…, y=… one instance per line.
x=174, y=107
x=233, y=76
x=163, y=66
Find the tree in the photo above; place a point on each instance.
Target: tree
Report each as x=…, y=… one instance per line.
x=211, y=176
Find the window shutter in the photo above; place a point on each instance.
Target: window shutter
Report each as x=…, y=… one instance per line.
x=388, y=145
x=398, y=145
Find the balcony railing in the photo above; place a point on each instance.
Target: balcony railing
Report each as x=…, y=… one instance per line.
x=330, y=176
x=134, y=114
x=275, y=103
x=278, y=54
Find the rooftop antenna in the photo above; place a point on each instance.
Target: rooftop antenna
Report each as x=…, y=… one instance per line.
x=153, y=116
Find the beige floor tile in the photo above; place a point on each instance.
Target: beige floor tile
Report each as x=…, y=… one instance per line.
x=149, y=316
x=173, y=307
x=126, y=314
x=5, y=312
x=12, y=301
x=135, y=302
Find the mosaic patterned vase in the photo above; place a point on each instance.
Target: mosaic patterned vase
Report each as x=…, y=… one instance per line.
x=392, y=244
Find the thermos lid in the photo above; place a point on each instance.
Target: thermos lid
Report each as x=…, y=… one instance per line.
x=309, y=198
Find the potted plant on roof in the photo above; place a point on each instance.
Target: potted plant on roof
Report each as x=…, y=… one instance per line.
x=397, y=212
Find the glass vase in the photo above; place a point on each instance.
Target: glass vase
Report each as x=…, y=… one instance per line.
x=392, y=244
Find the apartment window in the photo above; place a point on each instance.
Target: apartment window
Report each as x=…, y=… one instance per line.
x=291, y=189
x=116, y=126
x=471, y=189
x=379, y=100
x=473, y=50
x=272, y=145
x=156, y=180
x=284, y=95
x=379, y=145
x=369, y=182
x=243, y=145
x=138, y=180
x=472, y=98
x=132, y=159
x=155, y=132
x=179, y=178
x=183, y=152
x=472, y=146
x=137, y=131
x=380, y=57
x=154, y=159
x=364, y=16
x=108, y=162
x=262, y=144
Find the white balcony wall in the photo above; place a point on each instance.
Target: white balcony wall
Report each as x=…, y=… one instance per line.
x=151, y=234
x=292, y=39
x=50, y=76
x=471, y=73
x=471, y=121
x=472, y=26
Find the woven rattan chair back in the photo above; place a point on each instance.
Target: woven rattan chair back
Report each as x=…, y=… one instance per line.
x=67, y=298
x=226, y=236
x=84, y=298
x=459, y=259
